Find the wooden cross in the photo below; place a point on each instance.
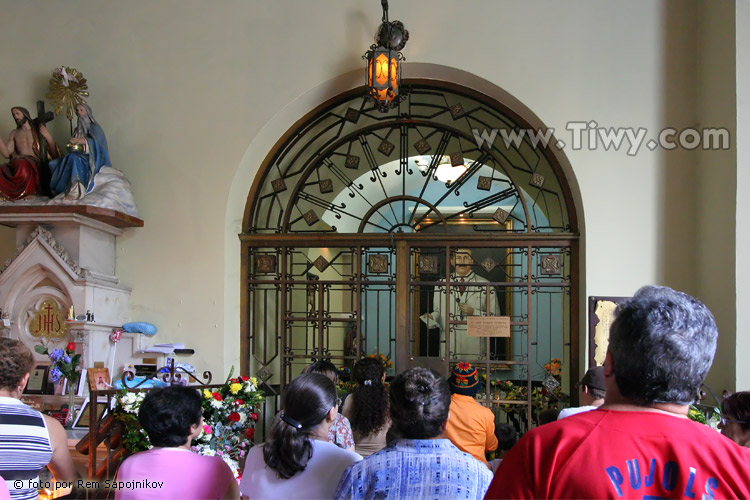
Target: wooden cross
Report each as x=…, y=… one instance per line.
x=42, y=117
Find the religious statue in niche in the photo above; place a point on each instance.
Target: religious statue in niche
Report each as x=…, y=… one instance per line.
x=465, y=300
x=29, y=146
x=84, y=176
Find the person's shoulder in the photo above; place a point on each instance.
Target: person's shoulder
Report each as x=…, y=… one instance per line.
x=331, y=450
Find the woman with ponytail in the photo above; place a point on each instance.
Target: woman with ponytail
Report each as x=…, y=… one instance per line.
x=297, y=461
x=367, y=407
x=421, y=463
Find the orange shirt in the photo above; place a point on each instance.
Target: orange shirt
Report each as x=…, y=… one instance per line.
x=471, y=427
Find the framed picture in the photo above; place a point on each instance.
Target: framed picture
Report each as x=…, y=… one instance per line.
x=601, y=315
x=83, y=416
x=99, y=379
x=37, y=380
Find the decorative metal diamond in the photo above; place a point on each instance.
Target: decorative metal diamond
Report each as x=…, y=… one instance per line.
x=265, y=264
x=421, y=146
x=311, y=217
x=428, y=264
x=484, y=183
x=537, y=180
x=551, y=264
x=551, y=383
x=386, y=148
x=457, y=159
x=456, y=110
x=264, y=374
x=321, y=263
x=378, y=263
x=351, y=115
x=352, y=162
x=488, y=264
x=500, y=215
x=326, y=185
x=278, y=185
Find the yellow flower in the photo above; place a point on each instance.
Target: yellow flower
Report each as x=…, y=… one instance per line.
x=254, y=381
x=235, y=388
x=207, y=394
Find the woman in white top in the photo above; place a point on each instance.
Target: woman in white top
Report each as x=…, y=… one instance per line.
x=297, y=461
x=30, y=440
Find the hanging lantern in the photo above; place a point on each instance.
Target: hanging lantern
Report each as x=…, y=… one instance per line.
x=384, y=63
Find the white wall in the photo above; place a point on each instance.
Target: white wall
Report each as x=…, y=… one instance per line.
x=193, y=94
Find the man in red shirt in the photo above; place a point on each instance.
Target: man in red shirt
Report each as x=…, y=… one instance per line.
x=640, y=443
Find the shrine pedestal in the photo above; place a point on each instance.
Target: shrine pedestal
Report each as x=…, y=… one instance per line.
x=66, y=254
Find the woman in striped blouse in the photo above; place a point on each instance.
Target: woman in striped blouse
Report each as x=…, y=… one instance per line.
x=29, y=440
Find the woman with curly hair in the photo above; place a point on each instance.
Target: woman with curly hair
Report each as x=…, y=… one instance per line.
x=367, y=407
x=30, y=440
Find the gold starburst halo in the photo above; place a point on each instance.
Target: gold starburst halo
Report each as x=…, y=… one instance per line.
x=67, y=88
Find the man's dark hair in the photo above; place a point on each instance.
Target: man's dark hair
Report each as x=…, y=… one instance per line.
x=324, y=367
x=737, y=407
x=596, y=393
x=506, y=436
x=420, y=400
x=167, y=414
x=662, y=343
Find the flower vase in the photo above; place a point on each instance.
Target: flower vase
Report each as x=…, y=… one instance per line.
x=70, y=417
x=59, y=386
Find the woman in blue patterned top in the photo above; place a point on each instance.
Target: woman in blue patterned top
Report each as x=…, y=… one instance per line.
x=421, y=463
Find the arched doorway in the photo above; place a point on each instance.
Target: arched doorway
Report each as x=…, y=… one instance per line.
x=391, y=233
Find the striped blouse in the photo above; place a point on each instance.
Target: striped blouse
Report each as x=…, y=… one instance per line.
x=25, y=447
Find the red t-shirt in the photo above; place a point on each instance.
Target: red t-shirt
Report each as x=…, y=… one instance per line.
x=623, y=454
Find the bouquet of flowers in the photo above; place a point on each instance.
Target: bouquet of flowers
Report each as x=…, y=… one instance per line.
x=387, y=363
x=134, y=438
x=229, y=416
x=64, y=362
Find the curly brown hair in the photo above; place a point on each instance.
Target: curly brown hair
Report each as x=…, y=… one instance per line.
x=16, y=361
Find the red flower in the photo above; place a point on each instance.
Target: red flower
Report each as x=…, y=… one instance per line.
x=254, y=416
x=217, y=396
x=249, y=432
x=239, y=402
x=245, y=378
x=71, y=346
x=234, y=417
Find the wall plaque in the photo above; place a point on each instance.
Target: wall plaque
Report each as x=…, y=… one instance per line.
x=488, y=326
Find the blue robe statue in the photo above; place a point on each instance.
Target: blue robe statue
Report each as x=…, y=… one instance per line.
x=81, y=167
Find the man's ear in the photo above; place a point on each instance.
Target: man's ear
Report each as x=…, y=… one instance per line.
x=609, y=365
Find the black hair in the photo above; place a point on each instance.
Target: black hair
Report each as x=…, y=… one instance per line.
x=167, y=414
x=595, y=392
x=370, y=399
x=662, y=343
x=323, y=367
x=420, y=400
x=506, y=436
x=737, y=407
x=307, y=401
x=548, y=416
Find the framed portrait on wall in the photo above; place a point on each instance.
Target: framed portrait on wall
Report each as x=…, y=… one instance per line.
x=99, y=379
x=38, y=379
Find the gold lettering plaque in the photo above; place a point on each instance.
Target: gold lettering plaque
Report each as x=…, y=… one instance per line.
x=488, y=326
x=48, y=321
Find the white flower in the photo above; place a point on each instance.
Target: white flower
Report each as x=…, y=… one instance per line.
x=216, y=404
x=243, y=417
x=207, y=452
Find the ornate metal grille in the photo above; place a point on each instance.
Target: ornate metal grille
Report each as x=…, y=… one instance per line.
x=358, y=223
